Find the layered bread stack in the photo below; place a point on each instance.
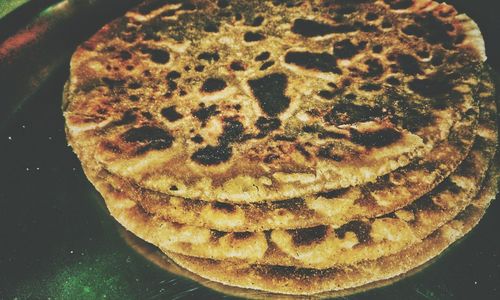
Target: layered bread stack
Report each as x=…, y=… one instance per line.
x=289, y=146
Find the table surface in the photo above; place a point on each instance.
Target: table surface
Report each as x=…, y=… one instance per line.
x=58, y=241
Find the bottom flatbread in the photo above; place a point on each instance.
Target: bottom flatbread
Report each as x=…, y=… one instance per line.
x=154, y=255
x=300, y=281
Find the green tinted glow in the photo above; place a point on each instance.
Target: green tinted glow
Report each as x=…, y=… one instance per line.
x=6, y=6
x=98, y=278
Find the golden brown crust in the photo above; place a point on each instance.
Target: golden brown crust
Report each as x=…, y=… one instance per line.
x=208, y=141
x=322, y=246
x=335, y=207
x=289, y=280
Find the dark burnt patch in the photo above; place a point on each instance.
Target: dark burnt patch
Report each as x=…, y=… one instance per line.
x=266, y=65
x=266, y=125
x=287, y=3
x=242, y=235
x=423, y=54
x=172, y=85
x=113, y=83
x=322, y=132
x=424, y=203
x=386, y=24
x=371, y=16
x=466, y=214
x=310, y=28
x=308, y=236
x=348, y=113
x=310, y=129
x=375, y=68
x=325, y=134
x=263, y=56
x=408, y=64
x=270, y=158
x=212, y=155
x=225, y=207
x=347, y=7
x=360, y=229
x=211, y=27
x=209, y=56
x=149, y=138
x=156, y=55
x=303, y=151
x=323, y=62
x=198, y=139
x=133, y=98
x=170, y=113
x=327, y=152
x=205, y=112
x=237, y=66
x=212, y=85
x=376, y=139
x=368, y=27
x=413, y=30
x=111, y=147
x=435, y=31
x=173, y=75
x=414, y=120
x=216, y=234
x=257, y=21
x=377, y=49
x=345, y=49
x=270, y=92
x=399, y=4
x=237, y=16
x=370, y=87
x=253, y=36
x=125, y=55
x=437, y=59
x=333, y=193
x=128, y=117
x=468, y=169
x=449, y=186
x=289, y=204
x=232, y=132
x=437, y=85
x=134, y=85
x=328, y=95
x=393, y=81
x=283, y=137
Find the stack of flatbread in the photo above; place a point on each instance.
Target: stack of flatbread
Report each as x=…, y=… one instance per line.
x=288, y=146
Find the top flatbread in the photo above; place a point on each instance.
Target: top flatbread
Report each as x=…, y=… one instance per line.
x=246, y=101
x=335, y=207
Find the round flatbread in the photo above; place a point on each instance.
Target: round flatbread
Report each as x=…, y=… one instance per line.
x=249, y=101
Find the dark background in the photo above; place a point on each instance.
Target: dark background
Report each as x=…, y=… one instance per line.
x=56, y=239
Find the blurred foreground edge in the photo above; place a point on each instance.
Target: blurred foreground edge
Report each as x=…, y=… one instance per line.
x=33, y=51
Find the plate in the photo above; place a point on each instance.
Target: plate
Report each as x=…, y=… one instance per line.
x=56, y=237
